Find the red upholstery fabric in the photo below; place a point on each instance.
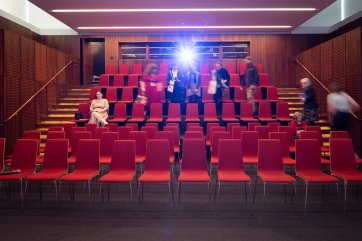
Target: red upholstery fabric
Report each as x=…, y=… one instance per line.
x=134, y=126
x=111, y=94
x=246, y=112
x=228, y=112
x=251, y=126
x=272, y=94
x=239, y=95
x=76, y=136
x=291, y=138
x=174, y=113
x=210, y=113
x=111, y=69
x=283, y=111
x=98, y=132
x=112, y=127
x=216, y=137
x=2, y=153
x=118, y=80
x=206, y=97
x=237, y=130
x=250, y=146
x=193, y=135
x=263, y=131
x=123, y=132
x=212, y=129
x=265, y=112
x=140, y=137
x=167, y=135
x=127, y=95
x=138, y=113
x=120, y=114
x=284, y=145
x=123, y=69
x=156, y=114
x=106, y=145
x=192, y=113
x=176, y=133
x=150, y=131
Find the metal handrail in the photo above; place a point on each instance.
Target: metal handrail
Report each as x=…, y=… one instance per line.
x=321, y=84
x=35, y=94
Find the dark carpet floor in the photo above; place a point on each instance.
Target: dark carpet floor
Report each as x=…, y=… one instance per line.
x=193, y=219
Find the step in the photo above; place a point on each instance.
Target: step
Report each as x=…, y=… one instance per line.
x=79, y=99
x=63, y=111
x=66, y=106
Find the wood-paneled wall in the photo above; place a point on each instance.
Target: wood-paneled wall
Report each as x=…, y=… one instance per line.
x=339, y=60
x=27, y=65
x=274, y=52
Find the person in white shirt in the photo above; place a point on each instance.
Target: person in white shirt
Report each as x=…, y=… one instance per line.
x=340, y=106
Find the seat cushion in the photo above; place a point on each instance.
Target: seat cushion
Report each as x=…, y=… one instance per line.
x=173, y=120
x=136, y=120
x=105, y=159
x=194, y=176
x=155, y=176
x=267, y=119
x=47, y=175
x=211, y=120
x=249, y=119
x=316, y=176
x=275, y=176
x=118, y=176
x=140, y=159
x=288, y=161
x=79, y=175
x=230, y=119
x=349, y=175
x=16, y=176
x=250, y=159
x=192, y=119
x=233, y=176
x=117, y=120
x=155, y=120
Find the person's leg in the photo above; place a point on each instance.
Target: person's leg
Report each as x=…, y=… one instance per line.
x=250, y=92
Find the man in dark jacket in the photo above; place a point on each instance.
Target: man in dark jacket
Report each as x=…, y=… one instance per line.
x=250, y=81
x=223, y=81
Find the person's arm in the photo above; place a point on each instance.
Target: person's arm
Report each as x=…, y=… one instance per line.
x=106, y=105
x=169, y=77
x=330, y=106
x=91, y=107
x=353, y=104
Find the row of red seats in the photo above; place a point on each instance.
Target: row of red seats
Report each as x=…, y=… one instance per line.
x=164, y=68
x=194, y=169
x=126, y=95
x=132, y=80
x=193, y=113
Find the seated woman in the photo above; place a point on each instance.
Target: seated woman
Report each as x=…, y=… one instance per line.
x=99, y=110
x=298, y=124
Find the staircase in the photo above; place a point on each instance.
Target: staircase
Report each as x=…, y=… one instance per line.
x=63, y=112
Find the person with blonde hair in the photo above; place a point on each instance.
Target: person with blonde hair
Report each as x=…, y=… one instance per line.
x=150, y=86
x=310, y=111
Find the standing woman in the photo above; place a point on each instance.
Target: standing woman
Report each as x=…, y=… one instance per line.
x=150, y=86
x=340, y=106
x=99, y=110
x=310, y=111
x=193, y=84
x=175, y=83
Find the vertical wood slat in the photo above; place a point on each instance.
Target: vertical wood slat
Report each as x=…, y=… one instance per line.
x=40, y=77
x=27, y=82
x=12, y=53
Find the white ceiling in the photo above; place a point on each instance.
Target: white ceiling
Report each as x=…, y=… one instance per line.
x=164, y=21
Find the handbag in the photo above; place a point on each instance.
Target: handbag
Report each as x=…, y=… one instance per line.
x=171, y=86
x=78, y=115
x=212, y=87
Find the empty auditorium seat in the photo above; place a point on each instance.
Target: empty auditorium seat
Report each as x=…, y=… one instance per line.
x=174, y=113
x=246, y=113
x=283, y=111
x=192, y=112
x=210, y=113
x=120, y=114
x=123, y=69
x=265, y=112
x=118, y=80
x=156, y=113
x=111, y=69
x=106, y=145
x=138, y=113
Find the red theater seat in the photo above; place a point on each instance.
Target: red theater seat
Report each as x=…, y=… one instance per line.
x=192, y=112
x=150, y=131
x=308, y=166
x=314, y=135
x=23, y=159
x=239, y=95
x=138, y=113
x=264, y=80
x=230, y=167
x=174, y=113
x=122, y=167
x=123, y=69
x=120, y=114
x=193, y=135
x=157, y=166
x=176, y=133
x=265, y=112
x=167, y=135
x=263, y=131
x=320, y=137
x=103, y=80
x=339, y=135
x=106, y=144
x=87, y=165
x=74, y=140
x=140, y=137
x=55, y=163
x=250, y=146
x=246, y=113
x=194, y=165
x=123, y=132
x=111, y=95
x=55, y=128
x=237, y=130
x=210, y=113
x=274, y=126
x=111, y=69
x=272, y=94
x=156, y=113
x=118, y=80
x=214, y=148
x=284, y=146
x=84, y=109
x=283, y=112
x=2, y=154
x=206, y=97
x=270, y=165
x=137, y=69
x=68, y=129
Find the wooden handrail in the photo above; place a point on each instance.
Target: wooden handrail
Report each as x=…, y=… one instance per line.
x=35, y=94
x=321, y=84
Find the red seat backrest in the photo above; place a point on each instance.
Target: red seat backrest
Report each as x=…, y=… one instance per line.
x=25, y=154
x=141, y=140
x=55, y=135
x=284, y=142
x=215, y=138
x=123, y=132
x=193, y=135
x=231, y=68
x=274, y=126
x=342, y=155
x=263, y=131
x=113, y=127
x=251, y=126
x=88, y=153
x=339, y=135
x=194, y=155
x=56, y=155
x=237, y=130
x=210, y=110
x=229, y=126
x=150, y=130
x=111, y=69
x=2, y=153
x=127, y=94
x=264, y=110
x=118, y=80
x=120, y=111
x=174, y=110
x=103, y=81
x=123, y=155
x=137, y=69
x=246, y=110
x=138, y=110
x=55, y=128
x=167, y=135
x=230, y=155
x=123, y=69
x=249, y=141
x=192, y=110
x=98, y=132
x=157, y=155
x=156, y=110
x=307, y=155
x=76, y=136
x=106, y=144
x=270, y=156
x=133, y=125
x=282, y=110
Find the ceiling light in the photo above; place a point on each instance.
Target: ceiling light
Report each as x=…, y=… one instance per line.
x=182, y=27
x=131, y=10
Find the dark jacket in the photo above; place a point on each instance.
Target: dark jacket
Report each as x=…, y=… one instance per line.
x=193, y=76
x=252, y=73
x=222, y=73
x=310, y=99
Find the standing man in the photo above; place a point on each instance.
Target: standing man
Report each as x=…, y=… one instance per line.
x=223, y=81
x=250, y=81
x=175, y=81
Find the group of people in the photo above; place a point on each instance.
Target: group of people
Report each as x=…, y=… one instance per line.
x=180, y=86
x=340, y=107
x=187, y=85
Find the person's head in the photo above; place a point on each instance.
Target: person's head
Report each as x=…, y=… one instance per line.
x=305, y=82
x=99, y=95
x=151, y=69
x=334, y=87
x=298, y=116
x=213, y=72
x=218, y=65
x=174, y=67
x=248, y=60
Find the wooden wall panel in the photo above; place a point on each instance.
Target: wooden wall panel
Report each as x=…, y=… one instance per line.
x=27, y=82
x=40, y=77
x=12, y=86
x=274, y=52
x=339, y=58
